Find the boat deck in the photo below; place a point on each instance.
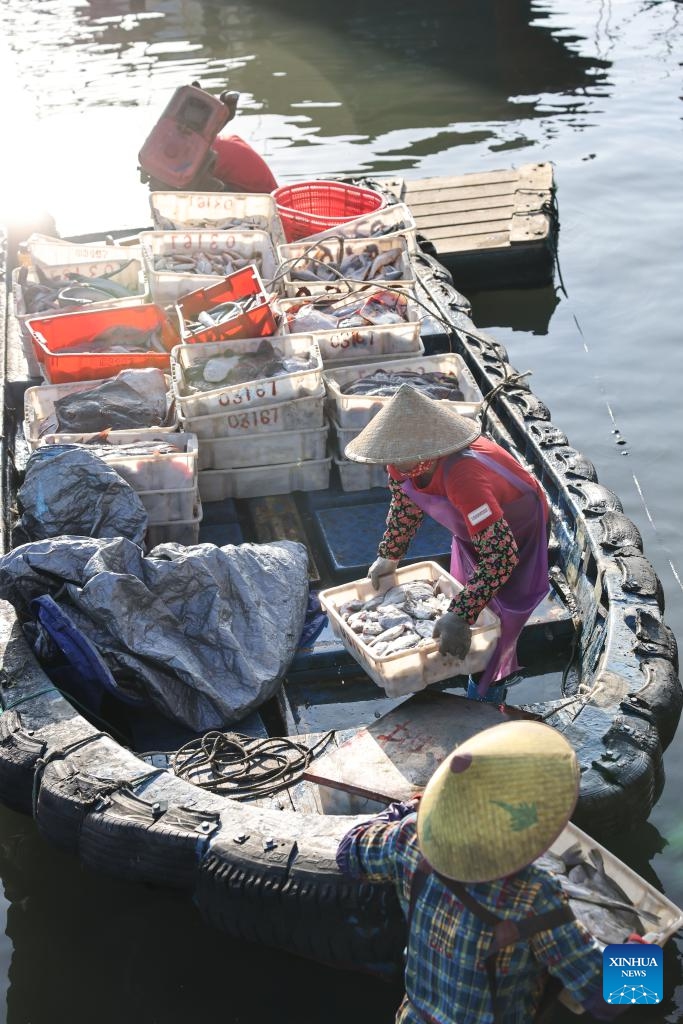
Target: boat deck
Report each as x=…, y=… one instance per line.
x=496, y=229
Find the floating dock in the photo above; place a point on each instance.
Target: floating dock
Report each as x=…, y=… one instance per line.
x=497, y=229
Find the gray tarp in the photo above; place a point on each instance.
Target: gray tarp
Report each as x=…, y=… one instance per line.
x=69, y=490
x=206, y=632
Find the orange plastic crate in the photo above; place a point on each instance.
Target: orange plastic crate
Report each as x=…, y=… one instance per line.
x=311, y=206
x=257, y=322
x=51, y=336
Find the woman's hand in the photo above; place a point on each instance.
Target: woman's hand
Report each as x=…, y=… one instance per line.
x=454, y=635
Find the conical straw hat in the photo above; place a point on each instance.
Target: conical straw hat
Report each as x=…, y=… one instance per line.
x=412, y=427
x=498, y=801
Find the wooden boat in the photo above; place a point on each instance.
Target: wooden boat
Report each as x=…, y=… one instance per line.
x=265, y=870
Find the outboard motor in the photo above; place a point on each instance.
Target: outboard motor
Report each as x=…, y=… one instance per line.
x=184, y=150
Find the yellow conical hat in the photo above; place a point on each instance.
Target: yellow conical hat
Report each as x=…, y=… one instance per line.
x=412, y=426
x=498, y=801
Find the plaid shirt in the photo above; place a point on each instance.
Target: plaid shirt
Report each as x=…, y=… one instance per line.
x=445, y=976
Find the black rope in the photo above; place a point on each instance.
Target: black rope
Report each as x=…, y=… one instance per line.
x=511, y=380
x=244, y=767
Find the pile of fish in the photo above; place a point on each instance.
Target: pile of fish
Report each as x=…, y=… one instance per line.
x=233, y=368
x=357, y=310
x=397, y=620
x=120, y=338
x=386, y=382
x=113, y=405
x=320, y=263
x=221, y=313
x=57, y=294
x=162, y=223
x=221, y=263
x=597, y=901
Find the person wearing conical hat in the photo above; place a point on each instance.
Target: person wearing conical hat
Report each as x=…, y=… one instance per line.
x=439, y=464
x=487, y=922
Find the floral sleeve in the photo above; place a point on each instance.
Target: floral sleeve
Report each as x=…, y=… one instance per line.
x=403, y=520
x=497, y=556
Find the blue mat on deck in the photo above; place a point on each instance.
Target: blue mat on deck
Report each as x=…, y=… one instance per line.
x=350, y=535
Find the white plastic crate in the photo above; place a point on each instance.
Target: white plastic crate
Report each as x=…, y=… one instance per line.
x=294, y=414
x=221, y=211
x=166, y=286
x=217, y=484
x=131, y=278
x=39, y=404
x=357, y=410
x=55, y=256
x=255, y=450
x=168, y=506
x=239, y=397
x=360, y=476
x=359, y=344
x=393, y=219
x=288, y=255
x=181, y=532
x=160, y=471
x=412, y=670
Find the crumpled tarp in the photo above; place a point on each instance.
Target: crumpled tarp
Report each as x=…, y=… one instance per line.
x=69, y=490
x=205, y=632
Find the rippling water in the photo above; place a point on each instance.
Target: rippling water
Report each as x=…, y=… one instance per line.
x=442, y=88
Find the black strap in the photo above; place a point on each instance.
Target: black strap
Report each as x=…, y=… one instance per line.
x=506, y=932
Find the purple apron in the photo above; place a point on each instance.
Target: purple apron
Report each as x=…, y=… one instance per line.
x=528, y=582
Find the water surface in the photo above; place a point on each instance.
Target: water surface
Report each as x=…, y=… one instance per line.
x=417, y=90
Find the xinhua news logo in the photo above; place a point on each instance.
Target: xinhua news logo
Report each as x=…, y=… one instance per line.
x=633, y=974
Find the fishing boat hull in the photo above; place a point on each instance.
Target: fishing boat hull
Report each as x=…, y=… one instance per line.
x=266, y=872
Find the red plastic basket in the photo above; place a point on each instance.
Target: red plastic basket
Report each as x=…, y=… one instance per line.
x=311, y=206
x=52, y=336
x=257, y=322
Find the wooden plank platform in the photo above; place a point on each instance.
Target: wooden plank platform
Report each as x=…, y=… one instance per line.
x=492, y=230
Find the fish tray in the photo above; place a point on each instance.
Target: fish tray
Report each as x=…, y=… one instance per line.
x=293, y=414
x=39, y=406
x=390, y=220
x=51, y=337
x=167, y=286
x=359, y=476
x=130, y=277
x=55, y=257
x=221, y=211
x=254, y=450
x=642, y=894
x=159, y=471
x=409, y=671
x=259, y=482
x=180, y=532
x=239, y=397
x=289, y=255
x=356, y=411
x=256, y=322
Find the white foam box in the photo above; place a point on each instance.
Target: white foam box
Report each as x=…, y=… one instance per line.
x=217, y=484
x=222, y=211
x=337, y=249
x=239, y=397
x=412, y=670
x=390, y=220
x=39, y=404
x=293, y=414
x=356, y=411
x=180, y=532
x=161, y=471
x=256, y=450
x=359, y=476
x=166, y=286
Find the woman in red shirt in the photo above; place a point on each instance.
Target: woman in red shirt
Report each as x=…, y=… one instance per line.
x=439, y=464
